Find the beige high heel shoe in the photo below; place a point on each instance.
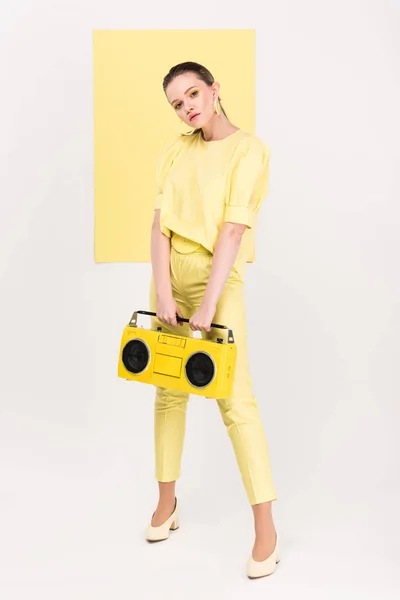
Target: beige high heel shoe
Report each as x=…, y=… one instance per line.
x=161, y=532
x=265, y=567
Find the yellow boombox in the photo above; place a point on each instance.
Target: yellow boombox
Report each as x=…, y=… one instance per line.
x=197, y=366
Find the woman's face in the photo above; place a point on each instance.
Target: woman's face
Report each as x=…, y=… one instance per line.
x=190, y=96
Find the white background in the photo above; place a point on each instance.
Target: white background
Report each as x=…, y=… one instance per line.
x=76, y=465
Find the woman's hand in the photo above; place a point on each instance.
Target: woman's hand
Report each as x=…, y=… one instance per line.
x=167, y=309
x=201, y=320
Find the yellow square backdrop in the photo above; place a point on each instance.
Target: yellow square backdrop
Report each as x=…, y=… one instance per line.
x=133, y=121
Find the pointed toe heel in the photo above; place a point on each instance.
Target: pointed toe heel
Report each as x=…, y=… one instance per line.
x=175, y=524
x=256, y=569
x=161, y=532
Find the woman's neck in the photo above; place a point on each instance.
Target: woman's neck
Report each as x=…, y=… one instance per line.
x=217, y=128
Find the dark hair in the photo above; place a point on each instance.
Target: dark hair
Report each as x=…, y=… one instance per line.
x=191, y=67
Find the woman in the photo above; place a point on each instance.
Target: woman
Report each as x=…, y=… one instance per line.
x=210, y=187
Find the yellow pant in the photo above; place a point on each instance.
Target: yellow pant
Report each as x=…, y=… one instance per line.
x=190, y=269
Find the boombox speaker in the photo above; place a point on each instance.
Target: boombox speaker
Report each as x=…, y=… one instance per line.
x=198, y=366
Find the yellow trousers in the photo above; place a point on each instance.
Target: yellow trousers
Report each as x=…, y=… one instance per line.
x=190, y=270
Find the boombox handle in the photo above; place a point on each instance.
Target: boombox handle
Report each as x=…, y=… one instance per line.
x=133, y=322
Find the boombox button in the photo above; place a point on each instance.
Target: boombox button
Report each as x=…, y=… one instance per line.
x=220, y=340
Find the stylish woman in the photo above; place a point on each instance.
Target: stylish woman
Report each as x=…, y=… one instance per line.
x=211, y=184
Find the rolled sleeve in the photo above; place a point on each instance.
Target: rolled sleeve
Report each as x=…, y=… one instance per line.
x=247, y=182
x=158, y=201
x=239, y=214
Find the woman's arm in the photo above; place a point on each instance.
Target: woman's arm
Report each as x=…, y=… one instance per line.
x=225, y=253
x=167, y=308
x=160, y=258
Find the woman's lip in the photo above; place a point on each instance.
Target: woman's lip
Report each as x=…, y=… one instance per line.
x=194, y=116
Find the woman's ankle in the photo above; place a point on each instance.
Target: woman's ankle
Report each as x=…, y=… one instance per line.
x=166, y=493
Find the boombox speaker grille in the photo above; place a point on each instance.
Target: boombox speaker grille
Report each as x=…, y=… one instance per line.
x=136, y=356
x=200, y=369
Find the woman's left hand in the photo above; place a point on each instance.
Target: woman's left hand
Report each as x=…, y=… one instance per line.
x=201, y=320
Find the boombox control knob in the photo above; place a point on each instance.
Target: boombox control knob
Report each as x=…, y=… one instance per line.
x=159, y=328
x=220, y=340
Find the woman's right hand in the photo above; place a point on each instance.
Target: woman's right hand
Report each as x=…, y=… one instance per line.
x=167, y=309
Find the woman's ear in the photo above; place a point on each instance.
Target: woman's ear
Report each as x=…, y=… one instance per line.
x=216, y=88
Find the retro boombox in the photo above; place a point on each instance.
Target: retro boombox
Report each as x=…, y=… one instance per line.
x=189, y=364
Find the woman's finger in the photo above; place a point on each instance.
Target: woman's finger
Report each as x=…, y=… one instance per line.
x=179, y=313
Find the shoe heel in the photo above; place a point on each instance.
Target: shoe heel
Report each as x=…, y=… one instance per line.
x=175, y=524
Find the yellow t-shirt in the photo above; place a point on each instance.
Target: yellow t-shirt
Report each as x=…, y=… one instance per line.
x=201, y=185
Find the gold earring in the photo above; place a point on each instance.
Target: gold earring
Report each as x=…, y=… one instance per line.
x=217, y=106
x=185, y=132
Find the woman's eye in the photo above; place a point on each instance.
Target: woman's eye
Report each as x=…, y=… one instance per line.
x=177, y=106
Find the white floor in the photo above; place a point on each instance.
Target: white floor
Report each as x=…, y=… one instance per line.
x=73, y=529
